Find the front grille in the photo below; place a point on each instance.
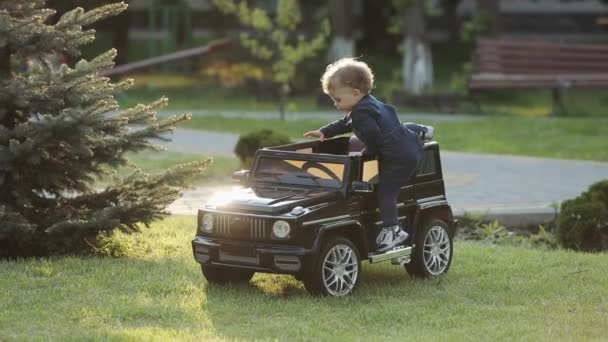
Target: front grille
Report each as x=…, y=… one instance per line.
x=241, y=227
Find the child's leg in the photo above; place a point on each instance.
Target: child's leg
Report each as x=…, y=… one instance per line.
x=392, y=177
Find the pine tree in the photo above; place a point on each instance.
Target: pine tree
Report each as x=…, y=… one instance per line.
x=61, y=130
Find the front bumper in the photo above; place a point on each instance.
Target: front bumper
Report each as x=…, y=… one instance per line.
x=254, y=256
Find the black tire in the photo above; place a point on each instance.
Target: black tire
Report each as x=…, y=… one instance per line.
x=331, y=265
x=224, y=275
x=431, y=261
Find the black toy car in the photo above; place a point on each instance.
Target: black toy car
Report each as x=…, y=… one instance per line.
x=309, y=209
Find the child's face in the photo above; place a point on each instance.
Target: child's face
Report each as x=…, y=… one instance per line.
x=345, y=97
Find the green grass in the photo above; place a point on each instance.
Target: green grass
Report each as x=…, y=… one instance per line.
x=527, y=103
x=158, y=293
x=211, y=98
x=567, y=138
x=538, y=103
x=220, y=169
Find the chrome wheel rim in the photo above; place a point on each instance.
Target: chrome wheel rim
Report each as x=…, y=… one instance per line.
x=340, y=270
x=436, y=250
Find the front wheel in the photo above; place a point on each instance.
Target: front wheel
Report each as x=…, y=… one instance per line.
x=223, y=275
x=337, y=271
x=433, y=250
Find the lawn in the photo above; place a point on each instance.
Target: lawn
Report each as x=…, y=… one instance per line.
x=158, y=293
x=565, y=138
x=220, y=170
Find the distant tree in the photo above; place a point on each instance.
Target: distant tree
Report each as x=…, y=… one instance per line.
x=342, y=41
x=417, y=63
x=60, y=131
x=277, y=39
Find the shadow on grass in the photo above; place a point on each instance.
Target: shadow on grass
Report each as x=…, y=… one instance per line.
x=264, y=307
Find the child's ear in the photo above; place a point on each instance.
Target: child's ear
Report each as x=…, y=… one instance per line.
x=356, y=92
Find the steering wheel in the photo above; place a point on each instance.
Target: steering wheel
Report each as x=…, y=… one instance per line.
x=316, y=165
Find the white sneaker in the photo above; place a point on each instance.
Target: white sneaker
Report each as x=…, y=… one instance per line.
x=390, y=237
x=385, y=234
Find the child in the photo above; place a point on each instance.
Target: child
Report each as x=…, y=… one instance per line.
x=349, y=83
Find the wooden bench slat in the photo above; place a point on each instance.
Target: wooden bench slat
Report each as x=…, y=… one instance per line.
x=542, y=45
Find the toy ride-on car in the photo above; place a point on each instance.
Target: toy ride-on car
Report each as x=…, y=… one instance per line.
x=309, y=209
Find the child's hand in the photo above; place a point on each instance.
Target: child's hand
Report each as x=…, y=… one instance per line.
x=315, y=134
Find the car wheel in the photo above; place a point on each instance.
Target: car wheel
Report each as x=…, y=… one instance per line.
x=433, y=250
x=223, y=275
x=337, y=271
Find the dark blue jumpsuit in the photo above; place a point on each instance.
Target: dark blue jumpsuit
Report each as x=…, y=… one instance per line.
x=397, y=148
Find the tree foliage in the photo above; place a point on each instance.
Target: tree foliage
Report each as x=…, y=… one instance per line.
x=583, y=221
x=249, y=143
x=61, y=130
x=277, y=39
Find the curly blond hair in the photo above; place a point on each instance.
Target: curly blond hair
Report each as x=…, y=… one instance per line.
x=348, y=72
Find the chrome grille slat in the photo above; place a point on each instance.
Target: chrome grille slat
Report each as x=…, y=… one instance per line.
x=257, y=227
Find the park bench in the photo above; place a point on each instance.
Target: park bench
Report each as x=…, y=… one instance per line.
x=517, y=64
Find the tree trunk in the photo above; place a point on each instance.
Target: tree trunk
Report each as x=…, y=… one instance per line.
x=342, y=43
x=282, y=101
x=417, y=58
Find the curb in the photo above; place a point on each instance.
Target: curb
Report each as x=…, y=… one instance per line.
x=513, y=217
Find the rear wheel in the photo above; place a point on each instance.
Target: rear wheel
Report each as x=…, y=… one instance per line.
x=338, y=270
x=223, y=275
x=432, y=252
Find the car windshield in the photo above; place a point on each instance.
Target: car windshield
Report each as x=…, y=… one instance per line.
x=300, y=172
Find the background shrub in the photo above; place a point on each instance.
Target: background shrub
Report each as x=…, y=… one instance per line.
x=583, y=221
x=249, y=143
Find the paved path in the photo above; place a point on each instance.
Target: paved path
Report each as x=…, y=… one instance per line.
x=501, y=184
x=325, y=115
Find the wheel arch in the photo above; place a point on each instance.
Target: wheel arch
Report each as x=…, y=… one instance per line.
x=440, y=210
x=351, y=229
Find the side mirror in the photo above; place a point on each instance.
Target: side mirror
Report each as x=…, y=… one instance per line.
x=241, y=177
x=361, y=187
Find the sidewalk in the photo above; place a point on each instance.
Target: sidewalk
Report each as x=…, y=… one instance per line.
x=324, y=115
x=517, y=190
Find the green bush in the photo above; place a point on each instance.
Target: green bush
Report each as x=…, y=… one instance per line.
x=249, y=143
x=583, y=221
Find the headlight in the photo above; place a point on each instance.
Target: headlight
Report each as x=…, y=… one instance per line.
x=207, y=223
x=281, y=229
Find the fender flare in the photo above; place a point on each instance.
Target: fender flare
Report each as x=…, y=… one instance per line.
x=357, y=229
x=440, y=209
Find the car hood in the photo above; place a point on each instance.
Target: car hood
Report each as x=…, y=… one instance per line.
x=269, y=200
